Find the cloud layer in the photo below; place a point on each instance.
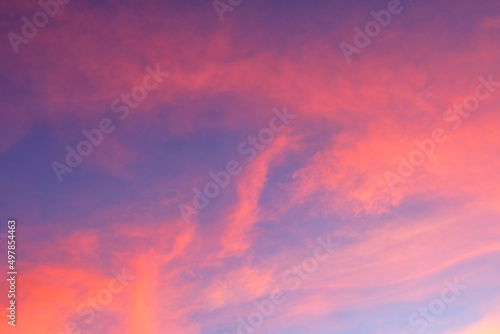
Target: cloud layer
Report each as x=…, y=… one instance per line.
x=323, y=176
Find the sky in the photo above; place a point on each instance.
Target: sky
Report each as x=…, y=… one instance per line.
x=251, y=166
